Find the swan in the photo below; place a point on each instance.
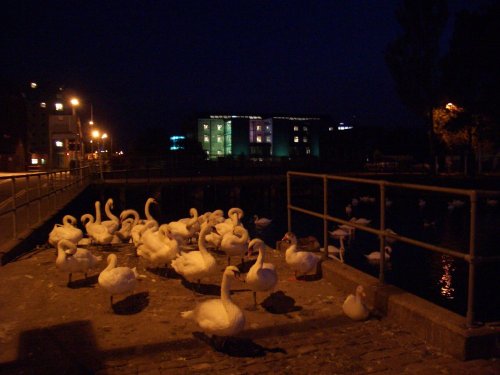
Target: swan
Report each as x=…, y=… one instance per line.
x=125, y=231
x=98, y=232
x=67, y=231
x=157, y=247
x=235, y=215
x=338, y=250
x=117, y=280
x=216, y=217
x=261, y=277
x=235, y=243
x=71, y=259
x=113, y=223
x=361, y=221
x=261, y=222
x=219, y=317
x=195, y=265
x=184, y=229
x=354, y=306
x=139, y=227
x=299, y=261
x=374, y=256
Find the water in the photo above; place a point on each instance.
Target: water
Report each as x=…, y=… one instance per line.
x=435, y=277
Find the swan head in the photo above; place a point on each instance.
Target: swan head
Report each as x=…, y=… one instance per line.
x=233, y=272
x=360, y=291
x=289, y=237
x=256, y=242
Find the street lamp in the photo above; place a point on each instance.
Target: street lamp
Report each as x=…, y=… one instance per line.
x=75, y=102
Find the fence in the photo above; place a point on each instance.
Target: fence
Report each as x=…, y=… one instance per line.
x=28, y=200
x=471, y=258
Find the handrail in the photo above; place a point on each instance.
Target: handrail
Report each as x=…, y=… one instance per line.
x=29, y=199
x=469, y=257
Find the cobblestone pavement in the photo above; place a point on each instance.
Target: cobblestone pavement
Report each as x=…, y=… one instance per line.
x=47, y=326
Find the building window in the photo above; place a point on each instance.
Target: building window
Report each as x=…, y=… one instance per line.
x=330, y=129
x=259, y=139
x=219, y=139
x=305, y=128
x=268, y=128
x=305, y=139
x=205, y=126
x=59, y=106
x=219, y=127
x=206, y=139
x=59, y=144
x=308, y=151
x=268, y=139
x=295, y=128
x=43, y=105
x=259, y=128
x=296, y=139
x=219, y=152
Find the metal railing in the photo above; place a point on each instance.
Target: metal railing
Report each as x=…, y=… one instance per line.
x=28, y=200
x=471, y=258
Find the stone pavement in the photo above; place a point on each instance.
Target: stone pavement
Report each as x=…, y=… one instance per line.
x=48, y=327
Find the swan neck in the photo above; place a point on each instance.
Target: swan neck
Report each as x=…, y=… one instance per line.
x=111, y=263
x=146, y=210
x=225, y=290
x=98, y=212
x=107, y=209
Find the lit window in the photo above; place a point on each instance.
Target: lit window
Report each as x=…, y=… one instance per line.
x=34, y=161
x=259, y=139
x=206, y=139
x=33, y=86
x=296, y=139
x=305, y=128
x=268, y=128
x=59, y=144
x=219, y=139
x=296, y=129
x=205, y=126
x=308, y=151
x=219, y=152
x=59, y=106
x=259, y=128
x=330, y=129
x=43, y=105
x=268, y=139
x=219, y=127
x=305, y=139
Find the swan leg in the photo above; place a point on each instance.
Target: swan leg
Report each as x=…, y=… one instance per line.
x=111, y=300
x=69, y=278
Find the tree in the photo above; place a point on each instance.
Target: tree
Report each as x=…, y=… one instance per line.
x=471, y=80
x=414, y=57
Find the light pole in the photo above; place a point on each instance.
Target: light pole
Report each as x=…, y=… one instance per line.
x=75, y=103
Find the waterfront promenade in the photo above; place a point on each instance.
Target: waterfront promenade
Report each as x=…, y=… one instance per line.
x=47, y=327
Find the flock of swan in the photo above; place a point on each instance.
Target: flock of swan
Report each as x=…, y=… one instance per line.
x=184, y=246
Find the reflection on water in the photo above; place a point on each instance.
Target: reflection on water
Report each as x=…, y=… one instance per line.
x=448, y=267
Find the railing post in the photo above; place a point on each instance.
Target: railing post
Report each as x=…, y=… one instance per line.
x=472, y=260
x=39, y=199
x=381, y=276
x=288, y=201
x=325, y=214
x=14, y=208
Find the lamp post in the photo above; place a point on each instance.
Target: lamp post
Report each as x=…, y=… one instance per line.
x=75, y=103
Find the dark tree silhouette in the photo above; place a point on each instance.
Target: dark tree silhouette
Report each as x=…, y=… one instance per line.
x=414, y=57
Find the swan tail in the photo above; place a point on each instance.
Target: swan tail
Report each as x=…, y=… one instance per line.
x=187, y=314
x=137, y=274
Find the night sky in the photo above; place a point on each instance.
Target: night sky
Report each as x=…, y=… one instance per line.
x=150, y=63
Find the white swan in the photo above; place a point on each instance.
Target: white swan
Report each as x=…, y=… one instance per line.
x=354, y=306
x=157, y=247
x=339, y=234
x=125, y=231
x=98, y=232
x=219, y=317
x=184, y=229
x=117, y=280
x=235, y=215
x=299, y=261
x=195, y=265
x=66, y=231
x=235, y=243
x=361, y=220
x=113, y=223
x=139, y=227
x=261, y=277
x=374, y=256
x=71, y=259
x=261, y=222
